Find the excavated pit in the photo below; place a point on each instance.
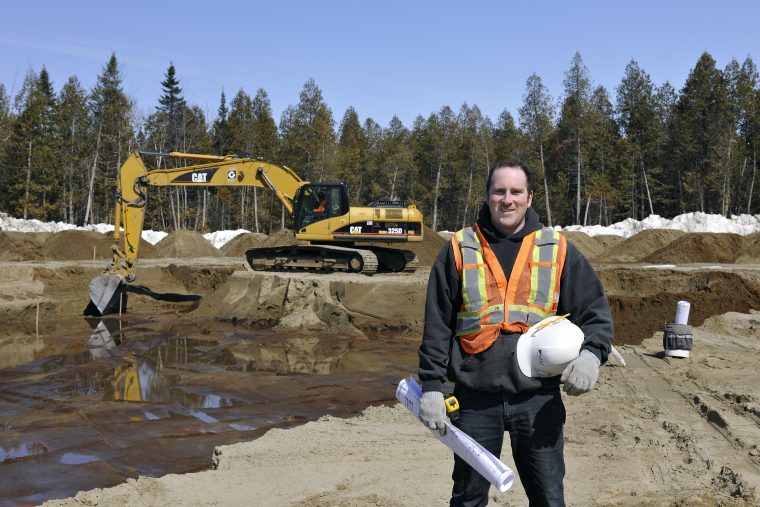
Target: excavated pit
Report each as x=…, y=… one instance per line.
x=257, y=350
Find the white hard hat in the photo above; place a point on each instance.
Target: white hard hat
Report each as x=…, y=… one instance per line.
x=547, y=347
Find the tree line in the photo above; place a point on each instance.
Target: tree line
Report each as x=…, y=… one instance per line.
x=655, y=150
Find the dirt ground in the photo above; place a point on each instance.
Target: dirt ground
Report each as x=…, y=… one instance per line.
x=659, y=431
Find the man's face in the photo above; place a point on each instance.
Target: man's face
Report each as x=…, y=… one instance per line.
x=509, y=199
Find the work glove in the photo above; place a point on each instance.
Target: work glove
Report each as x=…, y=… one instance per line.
x=581, y=374
x=433, y=411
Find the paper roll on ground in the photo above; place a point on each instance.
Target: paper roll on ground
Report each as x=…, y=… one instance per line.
x=489, y=466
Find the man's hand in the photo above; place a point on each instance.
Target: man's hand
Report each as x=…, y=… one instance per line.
x=433, y=411
x=581, y=374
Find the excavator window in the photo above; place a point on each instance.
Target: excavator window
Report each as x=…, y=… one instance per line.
x=319, y=202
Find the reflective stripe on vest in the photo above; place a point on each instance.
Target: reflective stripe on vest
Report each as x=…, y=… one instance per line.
x=530, y=296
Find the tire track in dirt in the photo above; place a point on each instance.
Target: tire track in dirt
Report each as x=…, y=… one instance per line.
x=707, y=429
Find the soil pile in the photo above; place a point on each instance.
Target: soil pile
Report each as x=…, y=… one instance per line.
x=183, y=244
x=283, y=237
x=426, y=250
x=609, y=241
x=237, y=246
x=22, y=246
x=587, y=245
x=640, y=245
x=700, y=247
x=750, y=253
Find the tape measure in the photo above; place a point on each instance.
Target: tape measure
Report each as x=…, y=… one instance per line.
x=452, y=408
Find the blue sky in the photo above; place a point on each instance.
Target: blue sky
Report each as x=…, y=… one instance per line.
x=382, y=58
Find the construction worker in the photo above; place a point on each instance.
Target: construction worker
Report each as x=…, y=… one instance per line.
x=321, y=206
x=489, y=284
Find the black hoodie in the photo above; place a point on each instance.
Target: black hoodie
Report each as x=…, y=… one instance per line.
x=495, y=369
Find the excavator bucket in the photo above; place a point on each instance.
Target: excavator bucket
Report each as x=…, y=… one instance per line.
x=106, y=293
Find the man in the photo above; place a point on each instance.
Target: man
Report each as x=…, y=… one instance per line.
x=470, y=338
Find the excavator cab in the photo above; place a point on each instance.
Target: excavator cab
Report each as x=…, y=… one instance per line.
x=317, y=202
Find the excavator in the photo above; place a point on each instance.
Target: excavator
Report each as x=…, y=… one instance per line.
x=321, y=217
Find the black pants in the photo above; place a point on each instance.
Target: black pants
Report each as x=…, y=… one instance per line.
x=534, y=422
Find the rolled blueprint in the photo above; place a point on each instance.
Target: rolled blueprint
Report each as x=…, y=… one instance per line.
x=489, y=466
x=682, y=312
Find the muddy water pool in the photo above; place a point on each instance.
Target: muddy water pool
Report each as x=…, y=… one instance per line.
x=98, y=401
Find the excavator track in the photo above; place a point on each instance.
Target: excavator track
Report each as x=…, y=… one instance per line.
x=312, y=258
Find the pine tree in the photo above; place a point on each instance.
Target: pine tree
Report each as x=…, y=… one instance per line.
x=746, y=96
x=397, y=159
x=221, y=141
x=172, y=105
x=30, y=160
x=352, y=153
x=700, y=123
x=571, y=125
x=536, y=119
x=113, y=138
x=265, y=136
x=266, y=144
x=72, y=125
x=603, y=135
x=308, y=138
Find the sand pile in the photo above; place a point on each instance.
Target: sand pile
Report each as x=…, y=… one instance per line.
x=283, y=237
x=22, y=246
x=589, y=246
x=185, y=244
x=697, y=248
x=237, y=246
x=69, y=245
x=750, y=253
x=426, y=250
x=78, y=245
x=609, y=241
x=640, y=245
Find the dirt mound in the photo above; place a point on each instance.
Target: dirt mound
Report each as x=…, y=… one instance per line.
x=750, y=253
x=426, y=250
x=182, y=244
x=283, y=237
x=237, y=246
x=22, y=246
x=699, y=247
x=78, y=245
x=589, y=246
x=640, y=245
x=609, y=241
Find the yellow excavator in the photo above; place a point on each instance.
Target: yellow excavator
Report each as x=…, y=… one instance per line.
x=320, y=214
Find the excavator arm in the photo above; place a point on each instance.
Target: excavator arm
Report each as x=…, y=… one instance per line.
x=134, y=179
x=212, y=171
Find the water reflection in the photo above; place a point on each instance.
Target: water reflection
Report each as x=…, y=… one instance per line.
x=77, y=458
x=22, y=451
x=148, y=372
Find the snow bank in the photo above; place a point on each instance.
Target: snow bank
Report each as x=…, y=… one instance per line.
x=689, y=222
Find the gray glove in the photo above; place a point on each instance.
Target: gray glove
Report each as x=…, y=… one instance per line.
x=581, y=374
x=433, y=411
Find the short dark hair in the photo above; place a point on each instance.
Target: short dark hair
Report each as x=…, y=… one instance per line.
x=510, y=163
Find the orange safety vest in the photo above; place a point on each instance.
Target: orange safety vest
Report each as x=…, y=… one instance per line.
x=531, y=295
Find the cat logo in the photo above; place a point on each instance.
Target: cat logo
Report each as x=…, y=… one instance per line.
x=201, y=176
x=355, y=229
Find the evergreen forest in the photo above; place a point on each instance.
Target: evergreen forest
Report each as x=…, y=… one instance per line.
x=598, y=156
